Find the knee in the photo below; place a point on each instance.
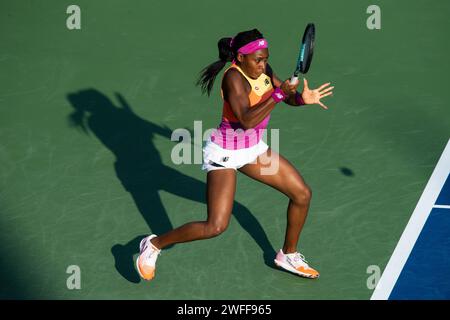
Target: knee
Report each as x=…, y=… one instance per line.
x=215, y=229
x=302, y=195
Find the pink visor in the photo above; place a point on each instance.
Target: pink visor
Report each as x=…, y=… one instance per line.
x=253, y=46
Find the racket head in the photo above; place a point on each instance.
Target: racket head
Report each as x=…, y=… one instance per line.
x=306, y=50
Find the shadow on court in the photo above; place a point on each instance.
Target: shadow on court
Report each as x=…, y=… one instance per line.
x=14, y=286
x=139, y=167
x=347, y=172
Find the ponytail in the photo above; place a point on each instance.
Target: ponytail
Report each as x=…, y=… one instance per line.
x=209, y=73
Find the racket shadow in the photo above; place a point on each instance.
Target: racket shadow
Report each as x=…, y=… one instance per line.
x=142, y=173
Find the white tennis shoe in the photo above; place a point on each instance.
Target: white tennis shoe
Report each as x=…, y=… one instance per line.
x=295, y=263
x=146, y=262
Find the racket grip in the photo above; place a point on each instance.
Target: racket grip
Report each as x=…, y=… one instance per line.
x=294, y=79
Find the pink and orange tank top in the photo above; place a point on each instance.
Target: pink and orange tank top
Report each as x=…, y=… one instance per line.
x=230, y=134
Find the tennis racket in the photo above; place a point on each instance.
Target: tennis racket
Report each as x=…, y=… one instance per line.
x=306, y=52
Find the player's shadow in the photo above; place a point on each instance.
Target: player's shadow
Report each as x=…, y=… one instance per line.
x=139, y=167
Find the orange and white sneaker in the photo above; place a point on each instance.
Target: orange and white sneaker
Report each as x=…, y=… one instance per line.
x=295, y=263
x=145, y=263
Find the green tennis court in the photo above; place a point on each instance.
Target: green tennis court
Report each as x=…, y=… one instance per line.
x=86, y=118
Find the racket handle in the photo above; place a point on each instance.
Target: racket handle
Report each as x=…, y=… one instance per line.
x=294, y=79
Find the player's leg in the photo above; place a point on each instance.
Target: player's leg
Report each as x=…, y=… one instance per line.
x=221, y=187
x=287, y=180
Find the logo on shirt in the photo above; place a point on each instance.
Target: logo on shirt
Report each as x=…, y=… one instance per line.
x=256, y=88
x=225, y=159
x=266, y=82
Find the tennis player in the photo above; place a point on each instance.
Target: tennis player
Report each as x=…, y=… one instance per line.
x=250, y=91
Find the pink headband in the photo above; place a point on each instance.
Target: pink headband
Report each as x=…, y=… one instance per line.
x=253, y=46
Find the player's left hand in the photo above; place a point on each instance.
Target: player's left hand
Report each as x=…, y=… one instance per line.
x=313, y=96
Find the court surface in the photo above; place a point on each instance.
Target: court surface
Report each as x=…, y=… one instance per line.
x=86, y=118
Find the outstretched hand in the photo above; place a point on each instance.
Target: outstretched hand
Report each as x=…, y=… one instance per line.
x=312, y=96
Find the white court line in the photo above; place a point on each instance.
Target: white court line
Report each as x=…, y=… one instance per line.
x=413, y=228
x=441, y=206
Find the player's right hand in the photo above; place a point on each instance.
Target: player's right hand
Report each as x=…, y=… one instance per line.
x=289, y=88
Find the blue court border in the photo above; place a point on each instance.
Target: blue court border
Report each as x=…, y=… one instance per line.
x=419, y=267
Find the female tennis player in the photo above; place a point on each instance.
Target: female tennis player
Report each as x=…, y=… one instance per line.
x=250, y=91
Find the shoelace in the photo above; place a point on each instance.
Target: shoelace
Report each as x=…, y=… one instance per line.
x=152, y=252
x=158, y=252
x=298, y=256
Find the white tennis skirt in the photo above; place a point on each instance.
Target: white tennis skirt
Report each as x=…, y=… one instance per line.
x=215, y=157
